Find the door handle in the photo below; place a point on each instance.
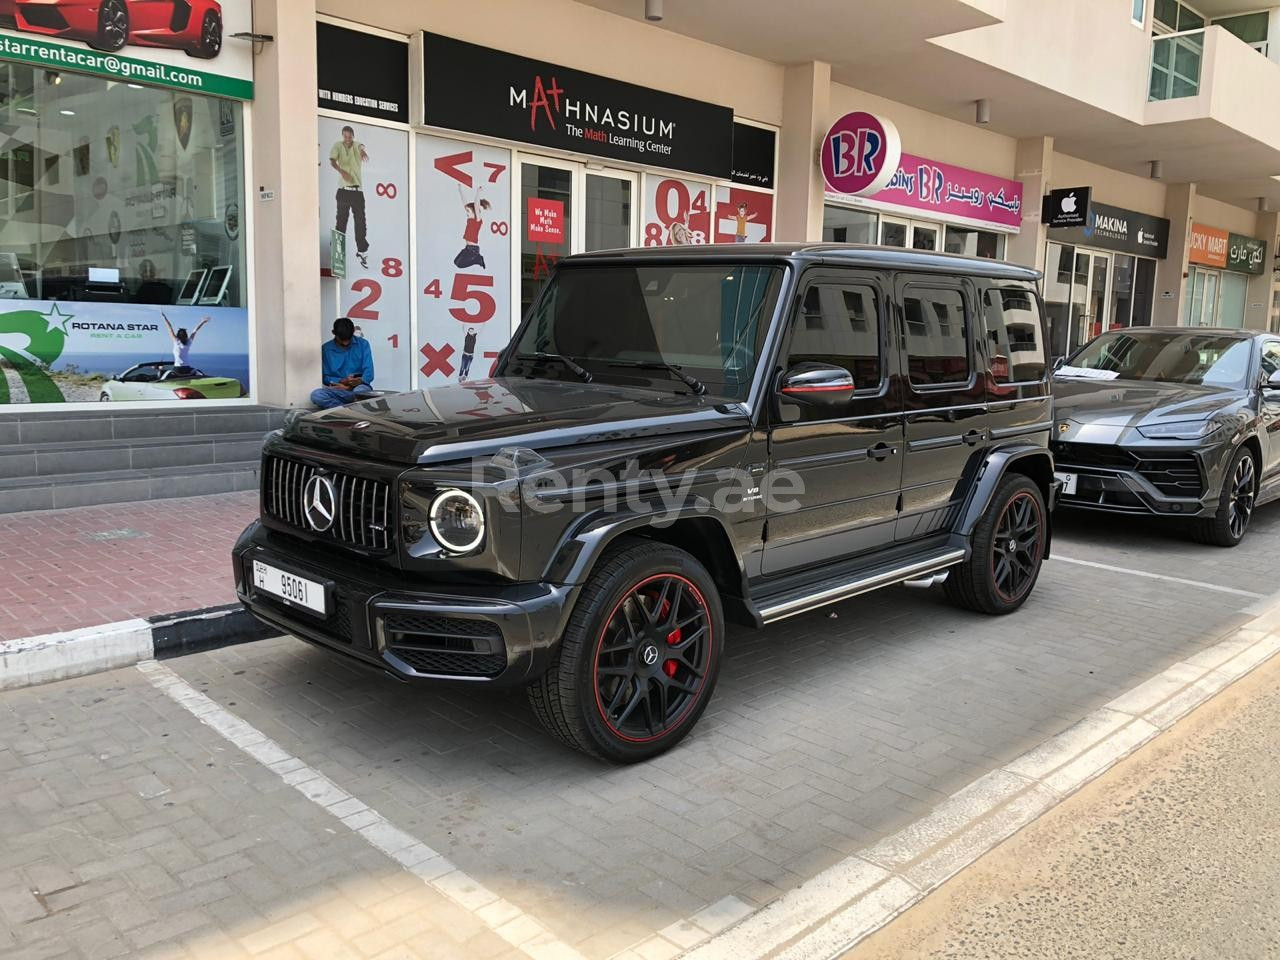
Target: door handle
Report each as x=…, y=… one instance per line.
x=882, y=451
x=972, y=438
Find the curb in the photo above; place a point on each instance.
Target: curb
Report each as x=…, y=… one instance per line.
x=85, y=650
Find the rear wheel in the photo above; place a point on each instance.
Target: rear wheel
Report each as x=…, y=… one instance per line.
x=639, y=659
x=1230, y=523
x=210, y=44
x=1007, y=550
x=113, y=26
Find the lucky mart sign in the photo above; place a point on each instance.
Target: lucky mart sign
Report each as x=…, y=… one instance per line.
x=1213, y=247
x=191, y=50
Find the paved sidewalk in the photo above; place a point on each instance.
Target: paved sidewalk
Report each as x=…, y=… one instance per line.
x=87, y=566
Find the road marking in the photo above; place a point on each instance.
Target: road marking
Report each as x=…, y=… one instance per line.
x=829, y=913
x=435, y=870
x=1160, y=576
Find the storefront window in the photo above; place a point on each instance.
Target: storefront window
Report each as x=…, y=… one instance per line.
x=1121, y=311
x=122, y=259
x=842, y=225
x=975, y=243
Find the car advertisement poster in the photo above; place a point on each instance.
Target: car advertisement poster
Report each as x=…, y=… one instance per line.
x=364, y=176
x=676, y=212
x=60, y=352
x=186, y=44
x=464, y=258
x=743, y=216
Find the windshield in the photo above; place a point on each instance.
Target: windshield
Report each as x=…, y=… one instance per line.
x=623, y=324
x=1210, y=359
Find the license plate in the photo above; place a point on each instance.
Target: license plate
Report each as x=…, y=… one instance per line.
x=289, y=587
x=1068, y=482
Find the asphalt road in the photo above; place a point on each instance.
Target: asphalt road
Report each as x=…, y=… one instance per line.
x=1174, y=853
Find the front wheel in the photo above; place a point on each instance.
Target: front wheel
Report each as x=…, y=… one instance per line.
x=210, y=44
x=1007, y=550
x=113, y=26
x=1230, y=523
x=639, y=659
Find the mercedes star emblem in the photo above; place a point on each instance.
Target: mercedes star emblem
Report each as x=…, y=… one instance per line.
x=650, y=655
x=319, y=503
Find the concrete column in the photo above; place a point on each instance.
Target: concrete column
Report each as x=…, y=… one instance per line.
x=806, y=101
x=286, y=252
x=1171, y=272
x=1033, y=165
x=1257, y=304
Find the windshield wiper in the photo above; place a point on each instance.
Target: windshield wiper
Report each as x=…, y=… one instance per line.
x=577, y=371
x=693, y=383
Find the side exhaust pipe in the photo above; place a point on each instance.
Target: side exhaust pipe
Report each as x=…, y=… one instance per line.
x=924, y=583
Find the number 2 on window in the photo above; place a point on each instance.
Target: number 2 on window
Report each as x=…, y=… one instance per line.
x=360, y=310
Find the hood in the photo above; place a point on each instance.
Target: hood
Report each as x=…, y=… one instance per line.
x=481, y=417
x=1099, y=411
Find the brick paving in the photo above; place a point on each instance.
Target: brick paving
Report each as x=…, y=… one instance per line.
x=87, y=566
x=146, y=834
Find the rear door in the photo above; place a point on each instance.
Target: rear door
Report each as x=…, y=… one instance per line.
x=1014, y=354
x=837, y=470
x=945, y=399
x=1269, y=409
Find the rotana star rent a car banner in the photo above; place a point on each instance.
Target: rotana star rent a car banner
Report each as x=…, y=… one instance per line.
x=186, y=44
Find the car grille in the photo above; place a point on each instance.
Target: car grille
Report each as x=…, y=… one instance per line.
x=362, y=515
x=446, y=646
x=1173, y=473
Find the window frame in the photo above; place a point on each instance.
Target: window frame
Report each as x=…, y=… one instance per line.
x=994, y=286
x=1140, y=21
x=967, y=290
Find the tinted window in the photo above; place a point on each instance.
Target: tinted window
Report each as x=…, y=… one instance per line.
x=1270, y=358
x=1015, y=336
x=1192, y=358
x=839, y=324
x=937, y=338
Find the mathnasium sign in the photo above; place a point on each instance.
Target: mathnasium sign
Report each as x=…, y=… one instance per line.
x=197, y=55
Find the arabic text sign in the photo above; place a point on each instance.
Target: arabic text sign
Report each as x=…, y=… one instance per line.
x=942, y=188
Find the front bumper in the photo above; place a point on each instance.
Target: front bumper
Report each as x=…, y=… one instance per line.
x=1135, y=480
x=492, y=635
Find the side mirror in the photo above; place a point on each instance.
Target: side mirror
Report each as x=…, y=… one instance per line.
x=1058, y=363
x=1273, y=381
x=817, y=384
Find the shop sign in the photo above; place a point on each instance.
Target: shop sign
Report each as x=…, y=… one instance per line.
x=1209, y=246
x=479, y=90
x=753, y=152
x=194, y=52
x=362, y=73
x=1246, y=254
x=1124, y=231
x=860, y=154
x=1065, y=207
x=545, y=220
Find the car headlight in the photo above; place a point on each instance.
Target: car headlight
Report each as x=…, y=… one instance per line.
x=457, y=520
x=1180, y=429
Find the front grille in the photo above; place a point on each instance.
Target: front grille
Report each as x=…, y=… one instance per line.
x=1174, y=473
x=450, y=646
x=362, y=516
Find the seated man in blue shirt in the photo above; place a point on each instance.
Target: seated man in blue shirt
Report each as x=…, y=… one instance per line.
x=347, y=363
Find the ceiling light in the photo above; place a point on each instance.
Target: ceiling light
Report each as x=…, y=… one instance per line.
x=52, y=77
x=653, y=10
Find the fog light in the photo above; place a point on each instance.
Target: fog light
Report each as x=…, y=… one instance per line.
x=457, y=520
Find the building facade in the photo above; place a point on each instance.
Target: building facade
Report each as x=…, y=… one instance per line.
x=183, y=220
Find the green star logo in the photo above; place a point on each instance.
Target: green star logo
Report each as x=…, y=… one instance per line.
x=45, y=336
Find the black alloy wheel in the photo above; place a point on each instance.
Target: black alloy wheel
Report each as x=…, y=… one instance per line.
x=1230, y=522
x=638, y=660
x=1007, y=549
x=113, y=26
x=210, y=44
x=651, y=658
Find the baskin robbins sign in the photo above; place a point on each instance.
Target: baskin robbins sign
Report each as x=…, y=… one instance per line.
x=863, y=164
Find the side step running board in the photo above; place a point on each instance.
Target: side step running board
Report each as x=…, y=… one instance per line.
x=832, y=591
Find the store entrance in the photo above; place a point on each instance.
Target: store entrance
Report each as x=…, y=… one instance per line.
x=913, y=234
x=569, y=207
x=1089, y=296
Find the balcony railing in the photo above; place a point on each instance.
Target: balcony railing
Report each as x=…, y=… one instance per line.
x=1176, y=60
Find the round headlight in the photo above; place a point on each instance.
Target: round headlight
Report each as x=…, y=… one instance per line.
x=457, y=520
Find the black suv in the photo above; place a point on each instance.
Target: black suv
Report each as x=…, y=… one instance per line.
x=672, y=439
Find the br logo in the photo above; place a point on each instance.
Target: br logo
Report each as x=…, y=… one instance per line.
x=860, y=154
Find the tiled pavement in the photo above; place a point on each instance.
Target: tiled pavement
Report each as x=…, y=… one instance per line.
x=147, y=834
x=88, y=566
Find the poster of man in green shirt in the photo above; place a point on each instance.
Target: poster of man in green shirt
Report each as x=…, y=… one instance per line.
x=348, y=157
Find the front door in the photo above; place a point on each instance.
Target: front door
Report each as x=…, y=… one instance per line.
x=1088, y=296
x=840, y=468
x=946, y=427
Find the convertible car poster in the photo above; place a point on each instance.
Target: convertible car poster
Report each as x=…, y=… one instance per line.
x=173, y=43
x=57, y=351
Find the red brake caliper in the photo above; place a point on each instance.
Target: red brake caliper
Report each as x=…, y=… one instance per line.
x=669, y=668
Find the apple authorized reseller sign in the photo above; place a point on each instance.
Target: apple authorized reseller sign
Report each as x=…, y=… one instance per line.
x=1067, y=207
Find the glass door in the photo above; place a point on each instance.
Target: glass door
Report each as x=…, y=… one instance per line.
x=1202, y=303
x=609, y=218
x=546, y=214
x=1089, y=296
x=1234, y=289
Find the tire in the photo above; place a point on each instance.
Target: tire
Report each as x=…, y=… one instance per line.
x=103, y=397
x=981, y=583
x=113, y=26
x=1236, y=500
x=610, y=700
x=210, y=44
